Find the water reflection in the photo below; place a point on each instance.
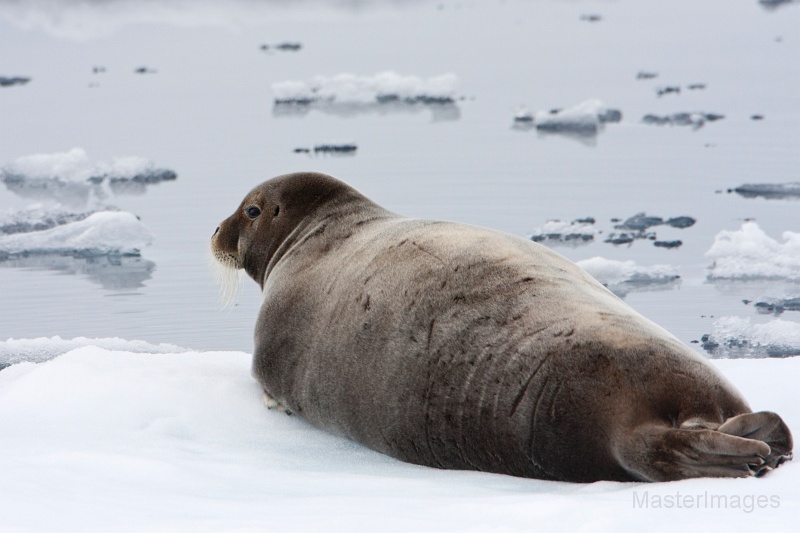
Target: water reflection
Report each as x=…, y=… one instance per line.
x=113, y=272
x=440, y=112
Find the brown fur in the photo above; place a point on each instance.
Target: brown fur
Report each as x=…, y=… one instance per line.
x=458, y=347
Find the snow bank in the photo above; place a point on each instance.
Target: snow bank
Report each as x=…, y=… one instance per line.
x=750, y=253
x=101, y=233
x=15, y=351
x=622, y=277
x=738, y=337
x=117, y=441
x=577, y=232
x=383, y=87
x=586, y=118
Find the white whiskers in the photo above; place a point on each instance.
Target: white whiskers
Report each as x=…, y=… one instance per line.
x=228, y=276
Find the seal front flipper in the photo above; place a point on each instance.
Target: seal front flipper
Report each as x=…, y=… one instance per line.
x=653, y=452
x=272, y=403
x=767, y=427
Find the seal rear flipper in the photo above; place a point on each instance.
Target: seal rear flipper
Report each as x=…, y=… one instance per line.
x=767, y=427
x=654, y=452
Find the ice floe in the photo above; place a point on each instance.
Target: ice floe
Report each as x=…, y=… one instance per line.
x=622, y=277
x=72, y=178
x=385, y=92
x=749, y=253
x=122, y=441
x=738, y=337
x=575, y=233
x=13, y=351
x=583, y=120
x=770, y=191
x=101, y=233
x=694, y=119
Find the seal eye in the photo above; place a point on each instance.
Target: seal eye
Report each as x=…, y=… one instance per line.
x=252, y=212
x=276, y=211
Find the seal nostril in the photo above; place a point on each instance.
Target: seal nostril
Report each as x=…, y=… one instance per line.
x=215, y=232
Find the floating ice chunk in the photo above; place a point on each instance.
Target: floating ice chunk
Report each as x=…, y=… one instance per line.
x=737, y=337
x=777, y=306
x=42, y=349
x=585, y=118
x=751, y=253
x=696, y=119
x=383, y=87
x=577, y=232
x=770, y=191
x=71, y=176
x=13, y=80
x=101, y=233
x=622, y=277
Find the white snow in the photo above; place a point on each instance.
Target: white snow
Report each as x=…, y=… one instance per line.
x=100, y=233
x=98, y=440
x=750, y=253
x=586, y=117
x=738, y=337
x=350, y=88
x=611, y=272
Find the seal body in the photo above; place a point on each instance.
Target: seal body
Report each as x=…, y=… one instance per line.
x=459, y=347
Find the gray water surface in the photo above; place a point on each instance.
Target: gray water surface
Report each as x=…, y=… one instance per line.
x=207, y=113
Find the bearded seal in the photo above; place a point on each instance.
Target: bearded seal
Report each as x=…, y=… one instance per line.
x=459, y=347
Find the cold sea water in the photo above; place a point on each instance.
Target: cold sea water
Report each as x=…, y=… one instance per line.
x=720, y=80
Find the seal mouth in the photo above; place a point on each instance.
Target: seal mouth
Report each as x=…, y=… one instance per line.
x=228, y=274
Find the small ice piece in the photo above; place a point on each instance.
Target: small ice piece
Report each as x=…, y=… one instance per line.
x=586, y=118
x=622, y=277
x=523, y=116
x=145, y=70
x=668, y=89
x=696, y=86
x=640, y=222
x=336, y=148
x=749, y=253
x=770, y=191
x=668, y=244
x=591, y=17
x=736, y=337
x=574, y=233
x=644, y=75
x=39, y=350
x=680, y=222
x=13, y=80
x=694, y=119
x=101, y=233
